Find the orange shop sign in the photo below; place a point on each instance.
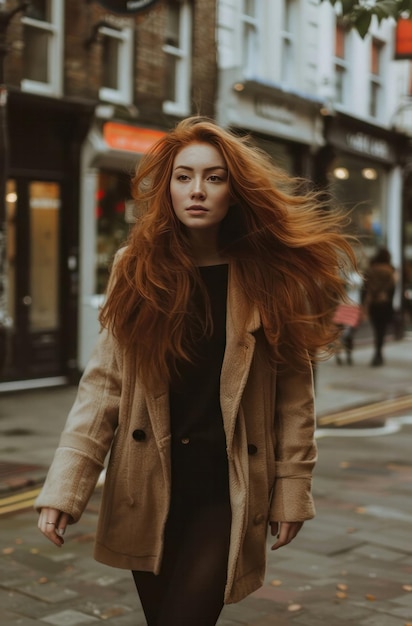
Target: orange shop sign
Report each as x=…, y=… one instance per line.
x=130, y=138
x=403, y=39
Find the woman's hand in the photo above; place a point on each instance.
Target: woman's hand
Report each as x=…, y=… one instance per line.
x=52, y=524
x=285, y=532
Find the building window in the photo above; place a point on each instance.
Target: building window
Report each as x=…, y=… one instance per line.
x=341, y=63
x=117, y=64
x=178, y=57
x=250, y=38
x=376, y=80
x=112, y=227
x=288, y=36
x=43, y=47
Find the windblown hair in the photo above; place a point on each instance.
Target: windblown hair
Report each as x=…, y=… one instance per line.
x=285, y=245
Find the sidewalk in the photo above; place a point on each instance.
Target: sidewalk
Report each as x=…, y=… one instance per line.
x=351, y=566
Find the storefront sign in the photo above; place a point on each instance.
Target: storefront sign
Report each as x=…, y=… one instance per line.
x=277, y=112
x=363, y=143
x=126, y=7
x=360, y=142
x=130, y=138
x=403, y=39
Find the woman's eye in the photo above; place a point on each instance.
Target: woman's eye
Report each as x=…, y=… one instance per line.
x=214, y=178
x=183, y=177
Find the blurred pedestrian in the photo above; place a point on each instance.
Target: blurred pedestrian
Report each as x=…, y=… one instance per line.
x=348, y=316
x=378, y=292
x=201, y=381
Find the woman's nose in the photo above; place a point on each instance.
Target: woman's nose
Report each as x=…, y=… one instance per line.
x=197, y=189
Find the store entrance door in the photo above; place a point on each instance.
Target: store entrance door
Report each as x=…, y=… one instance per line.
x=34, y=344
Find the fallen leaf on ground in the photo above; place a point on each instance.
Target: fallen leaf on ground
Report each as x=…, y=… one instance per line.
x=407, y=587
x=8, y=550
x=342, y=586
x=294, y=607
x=370, y=597
x=275, y=583
x=341, y=595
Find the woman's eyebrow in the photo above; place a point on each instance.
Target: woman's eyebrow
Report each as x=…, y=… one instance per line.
x=206, y=169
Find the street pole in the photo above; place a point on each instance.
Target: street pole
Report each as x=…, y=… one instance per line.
x=5, y=18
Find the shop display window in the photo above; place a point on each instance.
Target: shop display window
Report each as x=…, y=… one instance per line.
x=359, y=187
x=112, y=221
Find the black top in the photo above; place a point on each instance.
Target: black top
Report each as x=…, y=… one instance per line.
x=195, y=413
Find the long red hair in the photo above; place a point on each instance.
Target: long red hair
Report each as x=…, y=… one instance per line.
x=286, y=247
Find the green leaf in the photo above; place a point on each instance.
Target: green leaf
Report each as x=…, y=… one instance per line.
x=362, y=22
x=386, y=8
x=348, y=6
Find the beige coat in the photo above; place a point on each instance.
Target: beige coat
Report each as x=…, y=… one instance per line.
x=269, y=425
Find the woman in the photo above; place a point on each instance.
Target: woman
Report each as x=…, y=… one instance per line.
x=201, y=382
x=378, y=292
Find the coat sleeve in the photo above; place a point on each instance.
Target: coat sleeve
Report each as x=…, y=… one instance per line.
x=88, y=433
x=295, y=446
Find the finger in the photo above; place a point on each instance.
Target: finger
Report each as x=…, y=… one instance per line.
x=62, y=523
x=287, y=532
x=48, y=524
x=274, y=528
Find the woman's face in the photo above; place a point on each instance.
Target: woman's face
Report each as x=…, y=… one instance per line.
x=199, y=187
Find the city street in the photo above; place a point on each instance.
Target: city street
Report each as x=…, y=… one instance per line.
x=351, y=565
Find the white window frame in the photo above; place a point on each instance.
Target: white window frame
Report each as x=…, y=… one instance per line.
x=288, y=40
x=54, y=28
x=342, y=65
x=182, y=56
x=376, y=80
x=124, y=93
x=250, y=35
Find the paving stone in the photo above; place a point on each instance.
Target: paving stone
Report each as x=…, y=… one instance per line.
x=380, y=620
x=52, y=592
x=378, y=552
x=404, y=600
x=11, y=619
x=69, y=618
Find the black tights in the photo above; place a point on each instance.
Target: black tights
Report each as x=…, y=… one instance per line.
x=190, y=587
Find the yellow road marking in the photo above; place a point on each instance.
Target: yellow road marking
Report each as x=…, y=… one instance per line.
x=18, y=501
x=370, y=411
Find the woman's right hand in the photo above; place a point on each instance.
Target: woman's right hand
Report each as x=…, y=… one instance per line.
x=52, y=524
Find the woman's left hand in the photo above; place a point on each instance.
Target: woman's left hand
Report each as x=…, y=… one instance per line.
x=285, y=532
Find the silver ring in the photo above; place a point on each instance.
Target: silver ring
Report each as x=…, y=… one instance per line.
x=52, y=523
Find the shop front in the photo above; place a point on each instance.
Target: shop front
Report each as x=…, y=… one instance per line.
x=110, y=155
x=364, y=172
x=42, y=200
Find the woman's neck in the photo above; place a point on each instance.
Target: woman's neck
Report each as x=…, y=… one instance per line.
x=206, y=252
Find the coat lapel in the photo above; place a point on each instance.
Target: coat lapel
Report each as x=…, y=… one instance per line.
x=240, y=344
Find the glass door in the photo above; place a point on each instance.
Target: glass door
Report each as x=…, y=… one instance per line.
x=33, y=271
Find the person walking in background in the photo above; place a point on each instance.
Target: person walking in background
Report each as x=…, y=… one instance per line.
x=348, y=316
x=201, y=381
x=378, y=292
